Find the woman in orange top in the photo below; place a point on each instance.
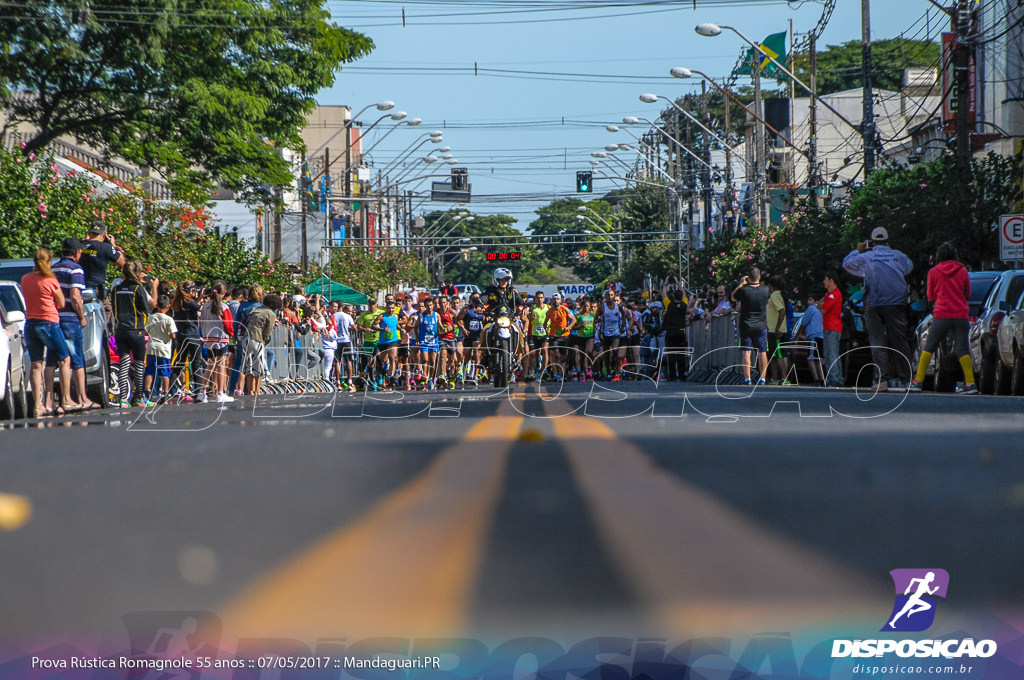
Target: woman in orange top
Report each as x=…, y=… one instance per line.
x=43, y=300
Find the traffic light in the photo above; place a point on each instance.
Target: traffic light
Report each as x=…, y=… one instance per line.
x=460, y=179
x=583, y=181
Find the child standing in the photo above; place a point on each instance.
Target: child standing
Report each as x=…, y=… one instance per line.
x=162, y=331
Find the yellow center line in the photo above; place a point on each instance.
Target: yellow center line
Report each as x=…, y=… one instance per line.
x=407, y=567
x=697, y=564
x=15, y=511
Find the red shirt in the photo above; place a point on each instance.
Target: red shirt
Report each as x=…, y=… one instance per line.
x=832, y=311
x=949, y=287
x=43, y=297
x=446, y=325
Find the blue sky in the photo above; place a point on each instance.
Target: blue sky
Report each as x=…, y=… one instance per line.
x=506, y=127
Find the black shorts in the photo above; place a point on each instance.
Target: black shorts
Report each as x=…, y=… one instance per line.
x=444, y=344
x=538, y=341
x=404, y=350
x=385, y=346
x=473, y=338
x=217, y=352
x=608, y=340
x=582, y=340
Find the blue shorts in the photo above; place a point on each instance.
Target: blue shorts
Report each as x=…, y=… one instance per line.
x=755, y=340
x=158, y=366
x=72, y=331
x=429, y=347
x=45, y=337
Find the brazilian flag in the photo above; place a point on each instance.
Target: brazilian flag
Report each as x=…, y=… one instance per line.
x=774, y=45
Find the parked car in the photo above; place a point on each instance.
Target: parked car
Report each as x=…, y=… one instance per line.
x=1010, y=346
x=94, y=335
x=992, y=374
x=14, y=379
x=466, y=290
x=944, y=370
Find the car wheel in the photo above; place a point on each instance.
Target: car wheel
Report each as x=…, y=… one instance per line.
x=1017, y=382
x=100, y=392
x=23, y=401
x=987, y=372
x=1003, y=377
x=7, y=406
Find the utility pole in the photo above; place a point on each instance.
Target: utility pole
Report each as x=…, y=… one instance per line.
x=727, y=211
x=812, y=119
x=348, y=174
x=708, y=189
x=867, y=126
x=758, y=141
x=302, y=201
x=961, y=64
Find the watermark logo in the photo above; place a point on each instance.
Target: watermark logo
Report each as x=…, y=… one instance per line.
x=916, y=593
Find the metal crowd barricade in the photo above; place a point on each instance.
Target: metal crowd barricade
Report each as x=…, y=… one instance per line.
x=297, y=356
x=715, y=343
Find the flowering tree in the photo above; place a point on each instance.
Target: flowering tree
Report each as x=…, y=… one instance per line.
x=373, y=271
x=174, y=240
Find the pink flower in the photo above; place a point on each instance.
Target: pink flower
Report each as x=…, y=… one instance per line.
x=924, y=186
x=53, y=166
x=22, y=145
x=32, y=156
x=42, y=207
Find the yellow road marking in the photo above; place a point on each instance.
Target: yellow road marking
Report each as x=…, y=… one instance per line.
x=406, y=567
x=697, y=564
x=15, y=511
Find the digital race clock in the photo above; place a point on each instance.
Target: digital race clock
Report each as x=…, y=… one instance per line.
x=502, y=256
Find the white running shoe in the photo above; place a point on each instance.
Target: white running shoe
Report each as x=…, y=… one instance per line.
x=224, y=399
x=201, y=397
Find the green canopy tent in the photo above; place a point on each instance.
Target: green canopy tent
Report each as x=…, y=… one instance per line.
x=332, y=290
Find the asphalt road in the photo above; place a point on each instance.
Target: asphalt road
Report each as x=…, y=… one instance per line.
x=538, y=511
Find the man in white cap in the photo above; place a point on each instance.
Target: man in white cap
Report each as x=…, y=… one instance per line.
x=885, y=304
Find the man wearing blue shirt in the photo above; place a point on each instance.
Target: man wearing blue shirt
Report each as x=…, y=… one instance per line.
x=885, y=301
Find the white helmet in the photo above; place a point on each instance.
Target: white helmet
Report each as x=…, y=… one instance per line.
x=502, y=273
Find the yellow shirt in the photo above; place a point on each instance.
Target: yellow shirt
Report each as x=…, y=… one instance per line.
x=776, y=308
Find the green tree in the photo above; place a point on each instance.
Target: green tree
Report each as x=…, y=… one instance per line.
x=202, y=92
x=590, y=257
x=925, y=204
x=374, y=271
x=839, y=66
x=173, y=240
x=645, y=209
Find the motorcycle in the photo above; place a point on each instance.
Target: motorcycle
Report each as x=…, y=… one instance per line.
x=502, y=348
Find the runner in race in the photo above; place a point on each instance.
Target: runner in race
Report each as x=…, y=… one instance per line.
x=611, y=323
x=426, y=333
x=584, y=328
x=538, y=337
x=559, y=319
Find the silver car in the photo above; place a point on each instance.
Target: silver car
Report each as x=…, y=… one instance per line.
x=993, y=375
x=94, y=335
x=1010, y=347
x=13, y=367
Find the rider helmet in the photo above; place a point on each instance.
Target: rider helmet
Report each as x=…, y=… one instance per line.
x=502, y=273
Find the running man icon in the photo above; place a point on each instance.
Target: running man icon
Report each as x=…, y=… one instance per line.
x=926, y=584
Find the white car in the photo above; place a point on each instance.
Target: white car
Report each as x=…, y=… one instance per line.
x=13, y=371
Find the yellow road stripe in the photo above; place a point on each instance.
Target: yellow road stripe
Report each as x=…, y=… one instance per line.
x=408, y=567
x=699, y=565
x=15, y=511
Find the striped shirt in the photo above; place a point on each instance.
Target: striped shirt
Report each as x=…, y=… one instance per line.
x=71, y=276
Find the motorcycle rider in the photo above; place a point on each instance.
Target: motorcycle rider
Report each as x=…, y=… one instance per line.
x=502, y=295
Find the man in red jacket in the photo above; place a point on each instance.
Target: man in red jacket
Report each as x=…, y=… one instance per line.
x=949, y=288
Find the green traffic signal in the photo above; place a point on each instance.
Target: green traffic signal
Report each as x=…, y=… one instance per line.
x=583, y=181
